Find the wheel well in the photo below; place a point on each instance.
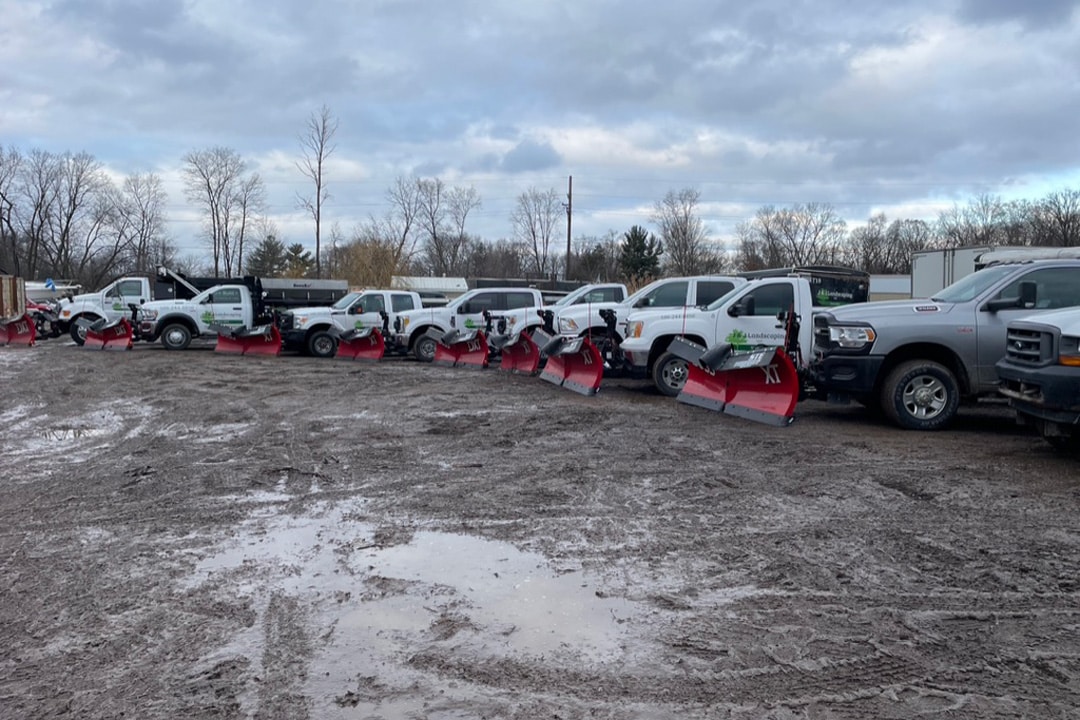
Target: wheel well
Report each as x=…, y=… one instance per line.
x=316, y=328
x=925, y=351
x=418, y=333
x=660, y=346
x=178, y=320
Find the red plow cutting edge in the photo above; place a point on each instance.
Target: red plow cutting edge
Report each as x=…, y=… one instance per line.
x=20, y=331
x=518, y=353
x=117, y=335
x=359, y=344
x=572, y=362
x=259, y=340
x=761, y=384
x=458, y=348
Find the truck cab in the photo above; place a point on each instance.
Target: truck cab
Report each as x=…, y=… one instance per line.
x=310, y=329
x=517, y=305
x=918, y=359
x=176, y=322
x=749, y=315
x=110, y=303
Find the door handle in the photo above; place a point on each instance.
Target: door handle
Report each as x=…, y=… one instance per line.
x=238, y=308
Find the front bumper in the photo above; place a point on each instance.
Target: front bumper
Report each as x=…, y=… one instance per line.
x=293, y=338
x=846, y=375
x=1048, y=392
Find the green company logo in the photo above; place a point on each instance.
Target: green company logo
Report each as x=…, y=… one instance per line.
x=117, y=306
x=358, y=324
x=207, y=318
x=471, y=324
x=738, y=340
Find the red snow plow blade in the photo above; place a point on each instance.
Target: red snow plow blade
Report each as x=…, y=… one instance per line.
x=20, y=331
x=112, y=336
x=517, y=353
x=572, y=362
x=761, y=384
x=360, y=344
x=460, y=349
x=260, y=340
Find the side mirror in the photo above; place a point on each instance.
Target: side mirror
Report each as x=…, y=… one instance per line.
x=743, y=307
x=464, y=309
x=356, y=310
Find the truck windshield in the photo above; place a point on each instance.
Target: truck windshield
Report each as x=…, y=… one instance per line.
x=345, y=302
x=968, y=288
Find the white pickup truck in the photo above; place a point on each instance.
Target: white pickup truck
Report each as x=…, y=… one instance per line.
x=579, y=312
x=309, y=329
x=517, y=305
x=176, y=322
x=746, y=316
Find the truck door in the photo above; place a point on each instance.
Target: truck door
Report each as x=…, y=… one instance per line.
x=365, y=311
x=225, y=307
x=121, y=294
x=1055, y=287
x=751, y=317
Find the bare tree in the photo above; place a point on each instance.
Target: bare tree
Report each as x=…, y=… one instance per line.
x=317, y=145
x=535, y=220
x=443, y=213
x=216, y=180
x=1061, y=211
x=140, y=221
x=684, y=235
x=10, y=166
x=810, y=234
x=397, y=229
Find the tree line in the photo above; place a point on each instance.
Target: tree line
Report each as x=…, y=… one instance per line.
x=63, y=215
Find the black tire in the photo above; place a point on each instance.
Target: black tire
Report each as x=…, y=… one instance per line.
x=321, y=344
x=176, y=336
x=920, y=395
x=669, y=374
x=77, y=332
x=424, y=348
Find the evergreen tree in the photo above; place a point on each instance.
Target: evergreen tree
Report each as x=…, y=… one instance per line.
x=268, y=259
x=641, y=253
x=298, y=261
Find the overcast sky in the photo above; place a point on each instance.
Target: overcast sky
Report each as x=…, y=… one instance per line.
x=904, y=107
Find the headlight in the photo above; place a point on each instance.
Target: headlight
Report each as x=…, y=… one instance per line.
x=1069, y=350
x=404, y=324
x=568, y=326
x=634, y=329
x=851, y=337
x=147, y=314
x=300, y=320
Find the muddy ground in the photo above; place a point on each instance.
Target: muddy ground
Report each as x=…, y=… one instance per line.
x=196, y=535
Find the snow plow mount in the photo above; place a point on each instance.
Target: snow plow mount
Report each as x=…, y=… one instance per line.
x=460, y=348
x=760, y=384
x=242, y=340
x=573, y=363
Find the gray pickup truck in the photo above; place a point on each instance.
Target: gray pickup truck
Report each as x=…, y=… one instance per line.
x=917, y=359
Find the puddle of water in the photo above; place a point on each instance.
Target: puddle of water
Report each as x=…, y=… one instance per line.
x=374, y=607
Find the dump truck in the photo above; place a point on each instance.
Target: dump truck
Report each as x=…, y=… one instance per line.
x=114, y=301
x=223, y=309
x=316, y=330
x=1040, y=375
x=918, y=359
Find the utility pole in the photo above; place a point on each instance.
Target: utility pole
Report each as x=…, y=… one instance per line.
x=569, y=205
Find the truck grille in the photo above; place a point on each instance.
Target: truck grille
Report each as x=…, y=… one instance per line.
x=821, y=333
x=1029, y=347
x=285, y=321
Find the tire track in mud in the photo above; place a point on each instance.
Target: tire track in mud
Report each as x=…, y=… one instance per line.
x=794, y=684
x=286, y=654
